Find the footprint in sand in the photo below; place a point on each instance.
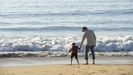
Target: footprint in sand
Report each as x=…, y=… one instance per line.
x=60, y=74
x=91, y=73
x=10, y=74
x=123, y=74
x=79, y=71
x=120, y=69
x=103, y=71
x=73, y=66
x=78, y=66
x=73, y=74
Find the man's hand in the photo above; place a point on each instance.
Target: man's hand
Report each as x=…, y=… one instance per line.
x=80, y=46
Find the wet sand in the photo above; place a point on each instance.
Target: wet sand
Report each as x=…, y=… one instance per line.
x=61, y=66
x=36, y=61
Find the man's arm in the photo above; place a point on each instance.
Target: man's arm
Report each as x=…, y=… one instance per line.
x=94, y=37
x=84, y=36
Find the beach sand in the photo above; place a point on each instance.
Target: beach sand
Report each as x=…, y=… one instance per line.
x=101, y=69
x=61, y=66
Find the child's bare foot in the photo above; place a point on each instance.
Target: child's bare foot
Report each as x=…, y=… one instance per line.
x=86, y=63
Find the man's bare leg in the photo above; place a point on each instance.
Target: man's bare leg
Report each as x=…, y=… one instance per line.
x=86, y=61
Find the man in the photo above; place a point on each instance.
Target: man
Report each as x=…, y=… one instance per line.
x=91, y=43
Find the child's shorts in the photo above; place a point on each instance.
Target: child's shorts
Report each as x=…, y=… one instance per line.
x=74, y=55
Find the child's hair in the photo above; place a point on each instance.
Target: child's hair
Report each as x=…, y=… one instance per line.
x=73, y=43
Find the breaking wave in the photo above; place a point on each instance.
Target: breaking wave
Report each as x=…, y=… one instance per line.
x=40, y=43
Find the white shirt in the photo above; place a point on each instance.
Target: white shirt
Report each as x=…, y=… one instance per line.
x=90, y=36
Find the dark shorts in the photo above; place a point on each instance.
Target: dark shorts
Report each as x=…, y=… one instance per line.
x=92, y=51
x=74, y=55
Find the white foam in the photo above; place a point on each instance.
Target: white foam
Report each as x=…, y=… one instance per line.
x=63, y=44
x=58, y=54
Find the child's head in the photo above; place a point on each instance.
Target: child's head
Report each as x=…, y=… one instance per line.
x=73, y=44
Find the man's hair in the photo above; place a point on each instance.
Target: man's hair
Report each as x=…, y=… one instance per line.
x=84, y=28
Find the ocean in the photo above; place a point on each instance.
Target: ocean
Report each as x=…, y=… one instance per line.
x=52, y=25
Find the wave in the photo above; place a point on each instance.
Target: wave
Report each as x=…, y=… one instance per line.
x=63, y=44
x=33, y=23
x=118, y=11
x=63, y=28
x=46, y=28
x=69, y=13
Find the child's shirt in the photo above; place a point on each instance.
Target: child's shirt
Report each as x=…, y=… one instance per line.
x=74, y=49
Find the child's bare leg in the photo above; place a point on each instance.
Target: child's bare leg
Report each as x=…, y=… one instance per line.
x=77, y=61
x=71, y=61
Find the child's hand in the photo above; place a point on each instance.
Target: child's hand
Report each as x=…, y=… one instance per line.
x=68, y=52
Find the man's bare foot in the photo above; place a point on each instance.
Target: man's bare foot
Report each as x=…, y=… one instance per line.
x=93, y=62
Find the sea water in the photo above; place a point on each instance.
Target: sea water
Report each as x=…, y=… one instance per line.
x=52, y=25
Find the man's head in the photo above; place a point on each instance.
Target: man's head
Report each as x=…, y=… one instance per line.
x=84, y=29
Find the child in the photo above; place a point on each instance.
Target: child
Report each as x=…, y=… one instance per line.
x=74, y=52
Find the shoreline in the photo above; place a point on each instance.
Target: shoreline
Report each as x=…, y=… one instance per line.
x=37, y=61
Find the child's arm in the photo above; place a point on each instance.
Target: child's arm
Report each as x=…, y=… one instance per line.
x=70, y=50
x=78, y=48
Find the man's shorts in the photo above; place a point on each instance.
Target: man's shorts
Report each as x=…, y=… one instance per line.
x=74, y=55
